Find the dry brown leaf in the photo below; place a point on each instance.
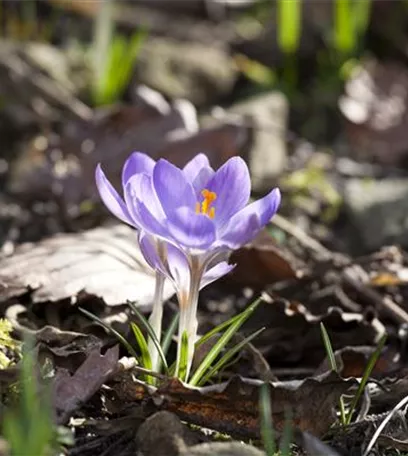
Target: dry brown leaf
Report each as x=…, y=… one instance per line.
x=233, y=407
x=72, y=391
x=312, y=445
x=352, y=361
x=103, y=262
x=293, y=336
x=262, y=263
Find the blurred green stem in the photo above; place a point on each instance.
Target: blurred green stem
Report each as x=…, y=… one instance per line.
x=103, y=33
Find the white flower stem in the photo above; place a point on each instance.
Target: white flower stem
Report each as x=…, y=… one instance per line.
x=188, y=302
x=156, y=318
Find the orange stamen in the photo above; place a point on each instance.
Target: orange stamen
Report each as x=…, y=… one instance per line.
x=205, y=208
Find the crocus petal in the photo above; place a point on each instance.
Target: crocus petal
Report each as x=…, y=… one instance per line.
x=265, y=208
x=135, y=164
x=194, y=166
x=191, y=230
x=150, y=254
x=140, y=187
x=149, y=222
x=232, y=186
x=216, y=272
x=111, y=198
x=179, y=268
x=201, y=180
x=172, y=188
x=147, y=213
x=239, y=231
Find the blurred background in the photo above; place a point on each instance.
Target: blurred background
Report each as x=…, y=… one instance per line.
x=313, y=94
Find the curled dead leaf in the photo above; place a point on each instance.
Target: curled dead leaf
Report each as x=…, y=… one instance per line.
x=232, y=407
x=72, y=391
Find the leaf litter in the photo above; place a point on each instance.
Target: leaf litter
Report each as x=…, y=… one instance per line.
x=104, y=265
x=72, y=261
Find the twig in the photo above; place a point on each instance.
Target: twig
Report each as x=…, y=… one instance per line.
x=306, y=241
x=384, y=305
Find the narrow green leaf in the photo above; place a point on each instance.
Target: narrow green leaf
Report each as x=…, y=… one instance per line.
x=171, y=330
x=367, y=372
x=144, y=351
x=113, y=331
x=117, y=68
x=221, y=343
x=129, y=59
x=288, y=24
x=168, y=335
x=227, y=356
x=344, y=33
x=267, y=431
x=333, y=365
x=287, y=434
x=225, y=324
x=172, y=369
x=361, y=15
x=328, y=347
x=182, y=372
x=147, y=326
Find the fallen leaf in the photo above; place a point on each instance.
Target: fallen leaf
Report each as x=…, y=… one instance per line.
x=72, y=391
x=352, y=361
x=313, y=445
x=262, y=263
x=103, y=262
x=293, y=336
x=232, y=407
x=68, y=349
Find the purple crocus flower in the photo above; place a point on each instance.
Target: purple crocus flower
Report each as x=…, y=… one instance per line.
x=196, y=215
x=136, y=163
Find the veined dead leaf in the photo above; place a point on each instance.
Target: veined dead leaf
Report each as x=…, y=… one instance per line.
x=232, y=407
x=103, y=262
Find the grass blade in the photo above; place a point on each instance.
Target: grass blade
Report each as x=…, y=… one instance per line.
x=102, y=38
x=328, y=347
x=168, y=335
x=367, y=372
x=221, y=343
x=227, y=356
x=147, y=326
x=344, y=33
x=144, y=351
x=287, y=435
x=361, y=14
x=267, y=432
x=224, y=325
x=117, y=334
x=333, y=365
x=27, y=424
x=288, y=23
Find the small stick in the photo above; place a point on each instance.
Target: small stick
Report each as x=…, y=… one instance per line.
x=384, y=305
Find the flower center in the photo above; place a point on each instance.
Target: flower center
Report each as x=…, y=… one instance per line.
x=205, y=207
